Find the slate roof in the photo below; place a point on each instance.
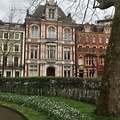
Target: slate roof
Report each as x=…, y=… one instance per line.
x=40, y=12
x=93, y=27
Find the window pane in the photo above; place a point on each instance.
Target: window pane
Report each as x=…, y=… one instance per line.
x=51, y=52
x=94, y=39
x=87, y=38
x=80, y=38
x=51, y=32
x=66, y=53
x=100, y=40
x=34, y=32
x=17, y=36
x=51, y=13
x=5, y=35
x=67, y=34
x=33, y=52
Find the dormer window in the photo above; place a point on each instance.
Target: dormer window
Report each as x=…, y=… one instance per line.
x=51, y=13
x=87, y=29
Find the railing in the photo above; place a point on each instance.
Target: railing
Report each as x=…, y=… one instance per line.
x=87, y=91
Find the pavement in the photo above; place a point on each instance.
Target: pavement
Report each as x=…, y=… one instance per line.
x=7, y=113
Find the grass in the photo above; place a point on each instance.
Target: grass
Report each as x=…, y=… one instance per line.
x=29, y=113
x=86, y=109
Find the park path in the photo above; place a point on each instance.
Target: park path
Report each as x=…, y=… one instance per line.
x=10, y=114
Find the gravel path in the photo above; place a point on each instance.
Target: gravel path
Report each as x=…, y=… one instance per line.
x=10, y=114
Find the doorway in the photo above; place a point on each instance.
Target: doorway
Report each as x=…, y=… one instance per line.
x=50, y=71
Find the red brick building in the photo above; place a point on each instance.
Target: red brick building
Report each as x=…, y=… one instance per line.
x=91, y=44
x=50, y=42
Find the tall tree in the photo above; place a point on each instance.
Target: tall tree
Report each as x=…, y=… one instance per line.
x=109, y=100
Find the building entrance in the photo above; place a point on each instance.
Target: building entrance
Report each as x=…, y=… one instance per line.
x=50, y=71
x=81, y=72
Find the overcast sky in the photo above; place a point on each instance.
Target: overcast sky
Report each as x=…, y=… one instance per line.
x=7, y=5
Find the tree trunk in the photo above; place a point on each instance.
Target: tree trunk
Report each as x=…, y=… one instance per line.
x=109, y=100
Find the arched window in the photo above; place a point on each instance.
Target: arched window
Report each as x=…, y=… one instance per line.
x=94, y=39
x=51, y=32
x=80, y=38
x=67, y=34
x=100, y=40
x=34, y=32
x=87, y=38
x=107, y=40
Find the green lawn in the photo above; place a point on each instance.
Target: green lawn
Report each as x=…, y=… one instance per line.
x=86, y=109
x=29, y=113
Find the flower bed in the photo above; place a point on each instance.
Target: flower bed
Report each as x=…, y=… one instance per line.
x=53, y=109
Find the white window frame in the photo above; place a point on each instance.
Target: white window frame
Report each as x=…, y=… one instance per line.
x=33, y=70
x=17, y=61
x=51, y=51
x=34, y=31
x=4, y=35
x=107, y=40
x=18, y=36
x=51, y=32
x=80, y=61
x=9, y=72
x=67, y=34
x=100, y=40
x=67, y=71
x=51, y=14
x=34, y=49
x=18, y=48
x=67, y=53
x=93, y=39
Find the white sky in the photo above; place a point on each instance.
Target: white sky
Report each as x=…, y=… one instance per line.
x=6, y=5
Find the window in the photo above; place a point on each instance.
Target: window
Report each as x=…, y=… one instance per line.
x=80, y=61
x=66, y=53
x=94, y=49
x=33, y=70
x=33, y=52
x=90, y=61
x=101, y=60
x=16, y=48
x=80, y=38
x=51, y=52
x=8, y=74
x=51, y=32
x=107, y=40
x=17, y=36
x=51, y=13
x=80, y=49
x=100, y=40
x=87, y=38
x=17, y=73
x=87, y=29
x=94, y=39
x=5, y=35
x=101, y=50
x=67, y=34
x=87, y=49
x=5, y=47
x=90, y=72
x=67, y=70
x=34, y=32
x=16, y=61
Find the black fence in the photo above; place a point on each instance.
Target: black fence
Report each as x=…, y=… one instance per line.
x=82, y=90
